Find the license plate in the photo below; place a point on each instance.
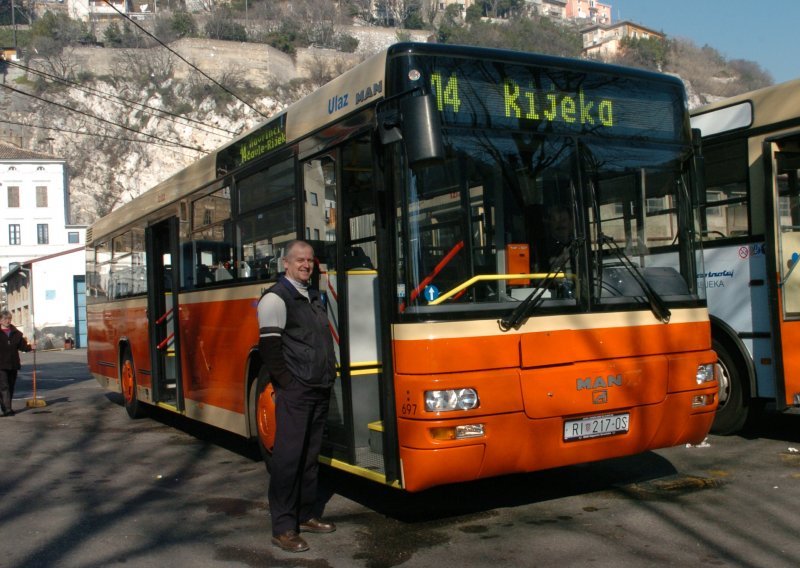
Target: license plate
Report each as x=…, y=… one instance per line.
x=596, y=426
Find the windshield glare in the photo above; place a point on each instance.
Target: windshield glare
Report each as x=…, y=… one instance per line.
x=493, y=224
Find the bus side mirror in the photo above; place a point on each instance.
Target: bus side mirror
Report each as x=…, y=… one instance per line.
x=421, y=130
x=417, y=124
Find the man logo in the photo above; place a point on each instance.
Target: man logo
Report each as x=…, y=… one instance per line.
x=600, y=397
x=598, y=382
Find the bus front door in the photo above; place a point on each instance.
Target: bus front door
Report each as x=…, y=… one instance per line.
x=162, y=316
x=340, y=224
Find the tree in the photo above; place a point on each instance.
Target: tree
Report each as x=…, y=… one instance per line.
x=221, y=25
x=538, y=35
x=647, y=53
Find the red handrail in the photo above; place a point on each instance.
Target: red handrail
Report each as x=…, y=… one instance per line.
x=436, y=270
x=162, y=318
x=161, y=345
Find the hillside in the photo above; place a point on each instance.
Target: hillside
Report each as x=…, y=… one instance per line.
x=132, y=146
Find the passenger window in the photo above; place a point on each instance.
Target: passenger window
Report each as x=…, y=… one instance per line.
x=267, y=220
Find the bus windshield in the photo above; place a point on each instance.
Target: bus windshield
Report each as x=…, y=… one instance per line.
x=510, y=214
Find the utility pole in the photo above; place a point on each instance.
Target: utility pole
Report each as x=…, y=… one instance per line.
x=14, y=25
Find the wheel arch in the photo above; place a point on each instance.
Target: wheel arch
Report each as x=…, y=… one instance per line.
x=252, y=370
x=726, y=335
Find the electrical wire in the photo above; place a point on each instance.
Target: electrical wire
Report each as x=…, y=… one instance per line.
x=110, y=96
x=179, y=56
x=89, y=115
x=166, y=144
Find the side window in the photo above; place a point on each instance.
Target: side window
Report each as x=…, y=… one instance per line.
x=725, y=211
x=138, y=262
x=102, y=258
x=212, y=238
x=121, y=277
x=267, y=219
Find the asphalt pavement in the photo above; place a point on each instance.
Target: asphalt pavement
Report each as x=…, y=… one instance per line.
x=82, y=485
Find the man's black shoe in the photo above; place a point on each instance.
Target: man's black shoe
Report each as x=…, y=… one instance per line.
x=316, y=526
x=9, y=413
x=290, y=541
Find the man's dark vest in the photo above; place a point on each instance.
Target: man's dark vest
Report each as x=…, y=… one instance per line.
x=307, y=340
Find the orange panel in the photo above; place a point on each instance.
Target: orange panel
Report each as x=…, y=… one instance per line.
x=452, y=355
x=790, y=351
x=518, y=261
x=595, y=388
x=558, y=347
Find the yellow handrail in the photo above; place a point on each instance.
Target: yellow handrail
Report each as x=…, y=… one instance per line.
x=483, y=277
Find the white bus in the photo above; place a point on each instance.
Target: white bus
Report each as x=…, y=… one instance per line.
x=751, y=230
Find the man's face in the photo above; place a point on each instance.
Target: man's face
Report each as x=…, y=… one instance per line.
x=299, y=263
x=5, y=320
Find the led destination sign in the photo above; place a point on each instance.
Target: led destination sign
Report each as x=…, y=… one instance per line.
x=492, y=94
x=257, y=143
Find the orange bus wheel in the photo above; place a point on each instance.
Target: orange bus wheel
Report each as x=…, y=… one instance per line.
x=265, y=419
x=128, y=379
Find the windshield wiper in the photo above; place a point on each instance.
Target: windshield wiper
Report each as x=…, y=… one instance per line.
x=657, y=305
x=536, y=297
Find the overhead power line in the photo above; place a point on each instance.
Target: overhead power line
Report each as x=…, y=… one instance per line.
x=166, y=144
x=179, y=56
x=101, y=119
x=109, y=96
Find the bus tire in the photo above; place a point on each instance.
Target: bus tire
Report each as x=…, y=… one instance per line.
x=265, y=417
x=133, y=407
x=732, y=411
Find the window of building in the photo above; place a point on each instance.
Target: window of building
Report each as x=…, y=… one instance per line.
x=42, y=234
x=14, y=235
x=12, y=168
x=40, y=169
x=13, y=196
x=73, y=237
x=41, y=196
x=313, y=198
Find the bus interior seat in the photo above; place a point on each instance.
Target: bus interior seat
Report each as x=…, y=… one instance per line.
x=355, y=257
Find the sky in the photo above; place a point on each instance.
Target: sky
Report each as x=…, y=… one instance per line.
x=764, y=31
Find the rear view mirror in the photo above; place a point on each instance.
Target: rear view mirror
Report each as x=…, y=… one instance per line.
x=421, y=129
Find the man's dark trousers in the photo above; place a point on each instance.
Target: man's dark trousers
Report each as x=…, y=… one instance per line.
x=300, y=414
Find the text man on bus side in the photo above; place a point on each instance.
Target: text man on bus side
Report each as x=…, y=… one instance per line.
x=296, y=347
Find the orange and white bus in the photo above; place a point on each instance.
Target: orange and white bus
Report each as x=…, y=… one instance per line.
x=750, y=217
x=474, y=336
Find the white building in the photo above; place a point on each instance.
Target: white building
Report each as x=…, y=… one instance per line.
x=38, y=242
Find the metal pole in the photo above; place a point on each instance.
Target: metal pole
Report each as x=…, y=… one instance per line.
x=35, y=401
x=14, y=25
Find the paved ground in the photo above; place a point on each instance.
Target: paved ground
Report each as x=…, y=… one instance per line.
x=81, y=485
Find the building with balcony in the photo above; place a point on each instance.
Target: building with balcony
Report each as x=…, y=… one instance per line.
x=590, y=11
x=603, y=41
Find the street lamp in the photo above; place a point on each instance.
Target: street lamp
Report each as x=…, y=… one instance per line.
x=34, y=402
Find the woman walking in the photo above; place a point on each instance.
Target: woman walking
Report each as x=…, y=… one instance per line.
x=11, y=343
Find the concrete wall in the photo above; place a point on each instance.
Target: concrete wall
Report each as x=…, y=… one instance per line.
x=261, y=64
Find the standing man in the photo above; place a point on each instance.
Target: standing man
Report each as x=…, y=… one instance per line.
x=11, y=343
x=296, y=347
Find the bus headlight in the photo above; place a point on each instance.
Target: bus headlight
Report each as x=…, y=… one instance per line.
x=705, y=373
x=451, y=399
